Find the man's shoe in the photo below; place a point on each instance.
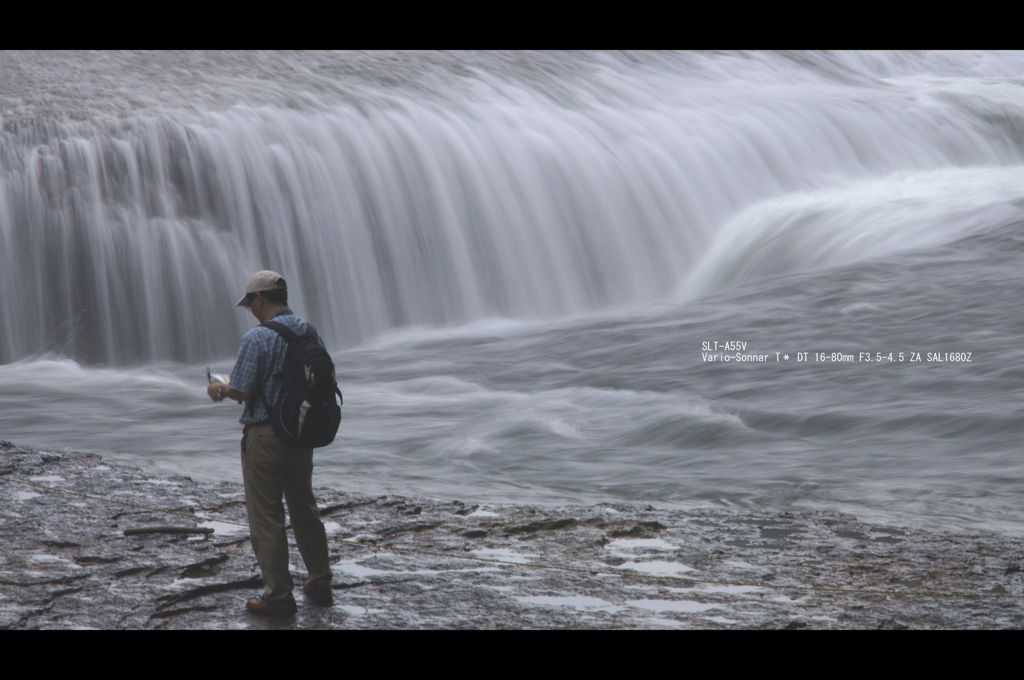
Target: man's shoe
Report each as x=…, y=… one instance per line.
x=264, y=607
x=320, y=595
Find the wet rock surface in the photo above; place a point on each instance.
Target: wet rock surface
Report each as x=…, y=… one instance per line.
x=418, y=563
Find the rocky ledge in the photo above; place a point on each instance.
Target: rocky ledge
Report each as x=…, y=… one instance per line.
x=92, y=544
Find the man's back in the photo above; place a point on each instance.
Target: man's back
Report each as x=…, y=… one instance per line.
x=260, y=363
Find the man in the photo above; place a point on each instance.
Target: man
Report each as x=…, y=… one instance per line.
x=270, y=466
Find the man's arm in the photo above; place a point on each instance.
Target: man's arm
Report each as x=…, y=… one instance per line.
x=249, y=364
x=218, y=391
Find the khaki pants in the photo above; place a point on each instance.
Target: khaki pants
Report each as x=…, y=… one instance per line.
x=271, y=468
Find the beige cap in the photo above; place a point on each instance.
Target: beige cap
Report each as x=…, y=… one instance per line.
x=263, y=281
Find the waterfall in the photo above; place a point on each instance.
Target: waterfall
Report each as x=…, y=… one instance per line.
x=402, y=189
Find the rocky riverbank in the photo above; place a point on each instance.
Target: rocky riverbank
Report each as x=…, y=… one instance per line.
x=92, y=544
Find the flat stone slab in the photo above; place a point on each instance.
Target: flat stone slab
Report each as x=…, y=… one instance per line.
x=413, y=563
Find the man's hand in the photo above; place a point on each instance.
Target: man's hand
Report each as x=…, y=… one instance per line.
x=217, y=391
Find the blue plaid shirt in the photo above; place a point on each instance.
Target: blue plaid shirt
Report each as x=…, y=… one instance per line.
x=260, y=364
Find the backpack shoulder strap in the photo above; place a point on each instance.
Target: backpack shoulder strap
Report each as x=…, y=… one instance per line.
x=289, y=336
x=287, y=333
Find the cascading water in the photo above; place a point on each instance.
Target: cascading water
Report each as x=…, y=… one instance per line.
x=597, y=181
x=516, y=256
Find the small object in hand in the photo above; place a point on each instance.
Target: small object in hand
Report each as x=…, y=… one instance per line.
x=218, y=386
x=215, y=377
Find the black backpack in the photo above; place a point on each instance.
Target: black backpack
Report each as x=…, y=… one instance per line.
x=306, y=414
